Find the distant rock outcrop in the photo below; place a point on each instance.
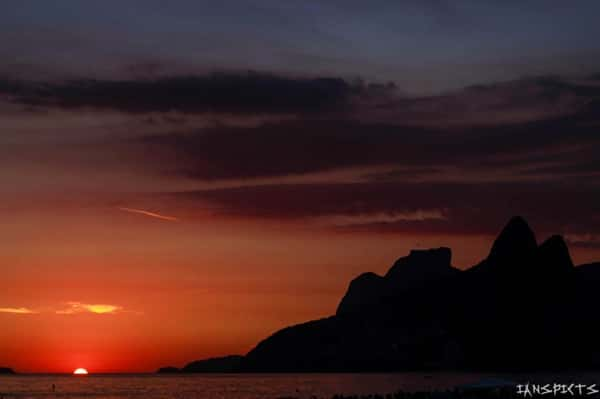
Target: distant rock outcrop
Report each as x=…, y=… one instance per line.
x=6, y=370
x=168, y=370
x=523, y=307
x=225, y=364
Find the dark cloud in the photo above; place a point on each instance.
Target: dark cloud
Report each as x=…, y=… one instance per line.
x=275, y=149
x=311, y=145
x=463, y=208
x=511, y=102
x=438, y=178
x=409, y=135
x=542, y=165
x=412, y=167
x=519, y=101
x=298, y=201
x=219, y=92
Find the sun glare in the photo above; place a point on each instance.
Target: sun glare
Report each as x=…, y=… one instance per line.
x=80, y=371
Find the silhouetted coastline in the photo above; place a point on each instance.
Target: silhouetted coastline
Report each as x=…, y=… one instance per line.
x=524, y=307
x=224, y=364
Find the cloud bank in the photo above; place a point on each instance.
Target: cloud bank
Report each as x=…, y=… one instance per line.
x=356, y=156
x=245, y=93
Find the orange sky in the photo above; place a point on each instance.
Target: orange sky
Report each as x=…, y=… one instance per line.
x=182, y=290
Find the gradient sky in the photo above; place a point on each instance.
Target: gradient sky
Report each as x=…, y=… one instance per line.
x=181, y=180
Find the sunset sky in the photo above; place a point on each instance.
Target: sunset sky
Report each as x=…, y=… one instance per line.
x=181, y=179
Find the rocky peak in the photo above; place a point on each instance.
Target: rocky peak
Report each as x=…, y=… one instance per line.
x=516, y=242
x=553, y=255
x=421, y=264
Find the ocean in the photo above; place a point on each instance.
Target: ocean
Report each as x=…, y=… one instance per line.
x=246, y=386
x=222, y=386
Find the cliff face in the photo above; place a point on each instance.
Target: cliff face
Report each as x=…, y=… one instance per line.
x=523, y=307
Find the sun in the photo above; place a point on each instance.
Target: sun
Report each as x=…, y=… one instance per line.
x=80, y=371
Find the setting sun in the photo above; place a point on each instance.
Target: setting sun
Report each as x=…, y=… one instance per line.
x=80, y=371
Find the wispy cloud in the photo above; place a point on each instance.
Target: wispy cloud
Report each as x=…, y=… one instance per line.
x=149, y=214
x=18, y=310
x=584, y=240
x=78, y=307
x=418, y=215
x=72, y=307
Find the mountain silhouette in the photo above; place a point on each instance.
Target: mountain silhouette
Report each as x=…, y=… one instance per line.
x=524, y=307
x=516, y=242
x=419, y=267
x=168, y=370
x=225, y=364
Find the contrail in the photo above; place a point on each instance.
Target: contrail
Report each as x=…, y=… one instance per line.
x=148, y=213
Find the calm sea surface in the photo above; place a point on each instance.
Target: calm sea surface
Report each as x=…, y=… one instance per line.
x=242, y=386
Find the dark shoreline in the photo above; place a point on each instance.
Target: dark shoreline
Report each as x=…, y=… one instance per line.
x=449, y=394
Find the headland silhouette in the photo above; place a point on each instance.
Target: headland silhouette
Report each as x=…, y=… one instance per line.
x=524, y=307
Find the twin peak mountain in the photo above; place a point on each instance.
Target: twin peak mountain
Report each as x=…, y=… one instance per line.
x=515, y=255
x=524, y=307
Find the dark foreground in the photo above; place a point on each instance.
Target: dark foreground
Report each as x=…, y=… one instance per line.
x=502, y=394
x=250, y=386
x=455, y=394
x=279, y=386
